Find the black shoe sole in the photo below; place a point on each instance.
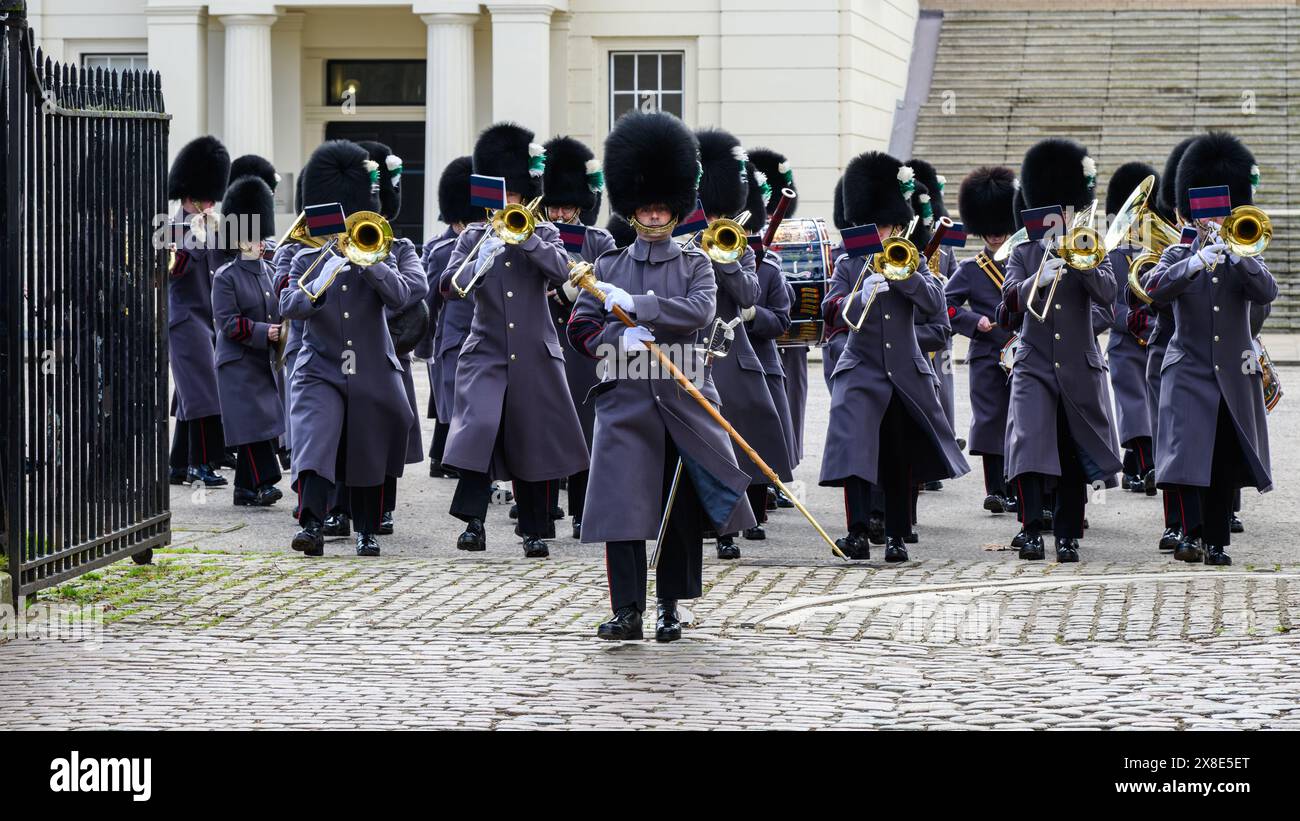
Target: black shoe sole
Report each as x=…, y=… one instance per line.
x=307, y=547
x=369, y=552
x=757, y=537
x=668, y=635
x=894, y=557
x=1066, y=557
x=994, y=506
x=728, y=556
x=537, y=554
x=1190, y=556
x=384, y=530
x=638, y=636
x=1222, y=560
x=471, y=547
x=1032, y=556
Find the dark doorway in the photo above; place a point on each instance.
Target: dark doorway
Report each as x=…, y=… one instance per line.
x=407, y=141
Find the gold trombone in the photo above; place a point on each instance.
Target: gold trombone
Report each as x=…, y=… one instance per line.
x=1080, y=247
x=366, y=240
x=898, y=260
x=1136, y=224
x=513, y=224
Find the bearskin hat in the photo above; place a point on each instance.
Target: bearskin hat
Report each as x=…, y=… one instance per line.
x=651, y=159
x=837, y=207
x=927, y=176
x=1217, y=158
x=1123, y=181
x=874, y=185
x=200, y=172
x=724, y=187
x=507, y=150
x=298, y=204
x=588, y=216
x=390, y=194
x=258, y=167
x=1057, y=171
x=779, y=175
x=572, y=175
x=920, y=236
x=1018, y=205
x=453, y=193
x=755, y=201
x=984, y=201
x=621, y=230
x=337, y=172
x=1166, y=200
x=248, y=212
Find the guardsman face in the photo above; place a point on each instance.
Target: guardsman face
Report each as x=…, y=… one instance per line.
x=653, y=216
x=995, y=240
x=886, y=230
x=195, y=206
x=513, y=197
x=562, y=213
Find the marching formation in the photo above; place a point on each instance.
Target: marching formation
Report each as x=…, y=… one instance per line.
x=654, y=373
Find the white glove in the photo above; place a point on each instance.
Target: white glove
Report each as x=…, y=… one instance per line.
x=616, y=297
x=570, y=291
x=746, y=314
x=635, y=337
x=487, y=253
x=1051, y=269
x=1233, y=258
x=1211, y=254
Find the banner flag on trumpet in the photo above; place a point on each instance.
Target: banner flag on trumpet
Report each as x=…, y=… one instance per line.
x=325, y=219
x=862, y=240
x=1188, y=236
x=697, y=221
x=573, y=234
x=1209, y=202
x=955, y=236
x=1040, y=221
x=487, y=192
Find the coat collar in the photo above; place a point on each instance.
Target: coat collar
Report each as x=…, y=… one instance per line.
x=659, y=251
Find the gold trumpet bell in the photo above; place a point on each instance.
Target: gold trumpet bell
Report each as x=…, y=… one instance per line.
x=515, y=223
x=724, y=240
x=368, y=239
x=1247, y=231
x=1014, y=241
x=898, y=261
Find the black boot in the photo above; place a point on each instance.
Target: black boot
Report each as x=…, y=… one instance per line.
x=1214, y=555
x=911, y=538
x=557, y=513
x=309, y=540
x=783, y=501
x=474, y=538
x=993, y=503
x=1149, y=482
x=876, y=528
x=386, y=524
x=337, y=524
x=625, y=626
x=1032, y=549
x=1067, y=550
x=284, y=457
x=178, y=476
x=895, y=550
x=1049, y=517
x=577, y=529
x=933, y=486
x=268, y=495
x=1010, y=505
x=771, y=497
x=1019, y=540
x=1189, y=550
x=668, y=627
x=727, y=548
x=514, y=511
x=535, y=548
x=1170, y=540
x=755, y=533
x=245, y=497
x=206, y=475
x=854, y=546
x=366, y=545
x=1235, y=525
x=1134, y=483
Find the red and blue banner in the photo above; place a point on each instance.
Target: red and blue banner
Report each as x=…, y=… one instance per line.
x=574, y=235
x=1040, y=221
x=955, y=236
x=487, y=192
x=861, y=240
x=697, y=221
x=1188, y=236
x=325, y=219
x=1212, y=201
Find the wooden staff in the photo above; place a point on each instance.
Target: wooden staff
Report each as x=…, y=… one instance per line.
x=583, y=276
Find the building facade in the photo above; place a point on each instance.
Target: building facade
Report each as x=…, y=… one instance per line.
x=819, y=80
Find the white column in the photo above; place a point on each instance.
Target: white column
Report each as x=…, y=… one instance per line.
x=561, y=28
x=178, y=39
x=286, y=94
x=449, y=105
x=521, y=65
x=248, y=111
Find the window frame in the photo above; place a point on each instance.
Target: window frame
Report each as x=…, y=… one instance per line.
x=111, y=55
x=612, y=92
x=328, y=100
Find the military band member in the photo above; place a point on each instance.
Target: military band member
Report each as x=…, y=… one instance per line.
x=351, y=413
x=246, y=312
x=450, y=318
x=739, y=377
x=1213, y=436
x=197, y=180
x=973, y=293
x=933, y=183
x=281, y=263
x=887, y=426
x=510, y=382
x=835, y=337
x=1059, y=428
x=643, y=425
x=1126, y=355
x=572, y=186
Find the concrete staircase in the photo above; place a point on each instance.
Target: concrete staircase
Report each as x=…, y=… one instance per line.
x=1129, y=85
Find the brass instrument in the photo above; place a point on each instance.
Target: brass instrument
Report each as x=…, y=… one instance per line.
x=512, y=225
x=1246, y=231
x=898, y=260
x=1272, y=385
x=1137, y=225
x=366, y=241
x=296, y=233
x=724, y=240
x=1013, y=242
x=1081, y=248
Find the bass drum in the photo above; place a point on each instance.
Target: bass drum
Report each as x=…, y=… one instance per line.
x=805, y=249
x=1007, y=358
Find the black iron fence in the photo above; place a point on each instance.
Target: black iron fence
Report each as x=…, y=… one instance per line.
x=83, y=314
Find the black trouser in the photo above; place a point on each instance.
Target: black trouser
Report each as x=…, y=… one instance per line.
x=578, y=494
x=197, y=442
x=1173, y=508
x=1071, y=489
x=256, y=465
x=994, y=481
x=757, y=495
x=318, y=497
x=1137, y=458
x=1207, y=511
x=680, y=573
x=388, y=497
x=474, y=493
x=439, y=441
x=894, y=474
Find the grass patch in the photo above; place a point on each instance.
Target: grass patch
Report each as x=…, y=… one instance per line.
x=124, y=589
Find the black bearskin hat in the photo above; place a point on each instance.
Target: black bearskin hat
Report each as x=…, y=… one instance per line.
x=453, y=193
x=257, y=166
x=297, y=194
x=200, y=172
x=1217, y=158
x=1123, y=181
x=872, y=192
x=621, y=230
x=1166, y=199
x=588, y=216
x=572, y=174
x=651, y=159
x=1018, y=205
x=337, y=172
x=1057, y=171
x=755, y=202
x=390, y=196
x=920, y=236
x=507, y=150
x=837, y=207
x=984, y=201
x=927, y=176
x=247, y=212
x=724, y=188
x=779, y=175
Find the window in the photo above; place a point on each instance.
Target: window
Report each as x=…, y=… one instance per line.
x=647, y=80
x=116, y=62
x=374, y=82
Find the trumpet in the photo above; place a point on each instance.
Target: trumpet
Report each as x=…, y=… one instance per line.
x=1246, y=231
x=366, y=241
x=1136, y=224
x=1081, y=248
x=512, y=225
x=724, y=240
x=898, y=260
